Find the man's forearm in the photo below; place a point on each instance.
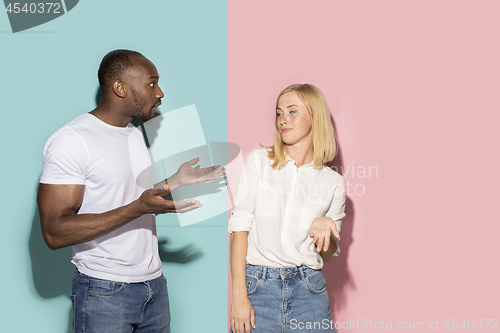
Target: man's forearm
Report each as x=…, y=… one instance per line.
x=70, y=229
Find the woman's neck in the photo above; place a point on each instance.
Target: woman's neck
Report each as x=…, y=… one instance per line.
x=301, y=154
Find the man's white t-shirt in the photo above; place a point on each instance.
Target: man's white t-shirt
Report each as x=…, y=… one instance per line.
x=106, y=159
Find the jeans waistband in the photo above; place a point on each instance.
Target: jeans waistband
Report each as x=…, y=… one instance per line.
x=84, y=278
x=279, y=273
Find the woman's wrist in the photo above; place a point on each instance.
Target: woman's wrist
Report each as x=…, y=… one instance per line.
x=239, y=292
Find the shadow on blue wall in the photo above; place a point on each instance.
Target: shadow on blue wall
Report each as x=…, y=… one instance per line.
x=52, y=270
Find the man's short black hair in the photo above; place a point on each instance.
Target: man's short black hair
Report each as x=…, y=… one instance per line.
x=114, y=64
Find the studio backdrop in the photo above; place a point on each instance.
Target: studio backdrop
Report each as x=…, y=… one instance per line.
x=413, y=91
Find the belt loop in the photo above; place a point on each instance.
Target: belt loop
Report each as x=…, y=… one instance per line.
x=264, y=272
x=302, y=275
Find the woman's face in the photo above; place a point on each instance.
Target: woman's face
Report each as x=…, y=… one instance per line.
x=293, y=120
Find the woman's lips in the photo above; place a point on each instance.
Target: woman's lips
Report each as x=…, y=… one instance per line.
x=284, y=130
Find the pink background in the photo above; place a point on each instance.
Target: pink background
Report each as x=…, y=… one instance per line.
x=413, y=87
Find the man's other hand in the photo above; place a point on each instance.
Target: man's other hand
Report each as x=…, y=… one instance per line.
x=151, y=201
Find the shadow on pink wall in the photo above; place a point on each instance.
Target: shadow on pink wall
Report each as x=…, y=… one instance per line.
x=338, y=275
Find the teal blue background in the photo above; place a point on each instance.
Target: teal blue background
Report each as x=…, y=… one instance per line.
x=48, y=77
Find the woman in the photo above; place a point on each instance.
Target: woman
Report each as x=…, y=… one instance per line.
x=286, y=221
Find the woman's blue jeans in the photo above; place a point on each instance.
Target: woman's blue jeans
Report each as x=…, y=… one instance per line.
x=289, y=300
x=103, y=306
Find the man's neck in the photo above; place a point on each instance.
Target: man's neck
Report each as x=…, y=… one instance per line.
x=111, y=115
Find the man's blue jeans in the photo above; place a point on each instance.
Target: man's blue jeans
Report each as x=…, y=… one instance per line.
x=103, y=306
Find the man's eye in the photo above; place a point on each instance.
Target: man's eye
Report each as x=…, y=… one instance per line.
x=152, y=84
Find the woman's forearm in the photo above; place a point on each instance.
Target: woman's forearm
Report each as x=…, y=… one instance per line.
x=239, y=244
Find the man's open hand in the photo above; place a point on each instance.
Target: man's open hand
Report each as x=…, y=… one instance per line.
x=187, y=175
x=152, y=201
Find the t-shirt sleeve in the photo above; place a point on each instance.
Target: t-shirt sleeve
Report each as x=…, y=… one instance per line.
x=65, y=159
x=242, y=216
x=337, y=207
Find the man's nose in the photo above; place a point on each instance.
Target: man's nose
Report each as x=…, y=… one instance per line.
x=159, y=93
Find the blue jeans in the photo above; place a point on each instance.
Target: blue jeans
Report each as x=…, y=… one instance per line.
x=289, y=300
x=103, y=306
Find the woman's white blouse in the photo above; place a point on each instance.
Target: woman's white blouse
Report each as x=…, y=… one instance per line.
x=277, y=207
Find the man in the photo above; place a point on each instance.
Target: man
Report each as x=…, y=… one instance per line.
x=89, y=199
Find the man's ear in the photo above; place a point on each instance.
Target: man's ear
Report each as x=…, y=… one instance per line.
x=119, y=89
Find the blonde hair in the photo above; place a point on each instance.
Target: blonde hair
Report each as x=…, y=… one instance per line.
x=324, y=142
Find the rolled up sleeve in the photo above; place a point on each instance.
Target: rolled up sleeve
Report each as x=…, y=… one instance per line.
x=242, y=216
x=337, y=208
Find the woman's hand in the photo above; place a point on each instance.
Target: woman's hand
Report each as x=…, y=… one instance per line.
x=242, y=315
x=320, y=231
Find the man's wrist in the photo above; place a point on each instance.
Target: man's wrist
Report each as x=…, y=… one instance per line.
x=172, y=183
x=136, y=209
